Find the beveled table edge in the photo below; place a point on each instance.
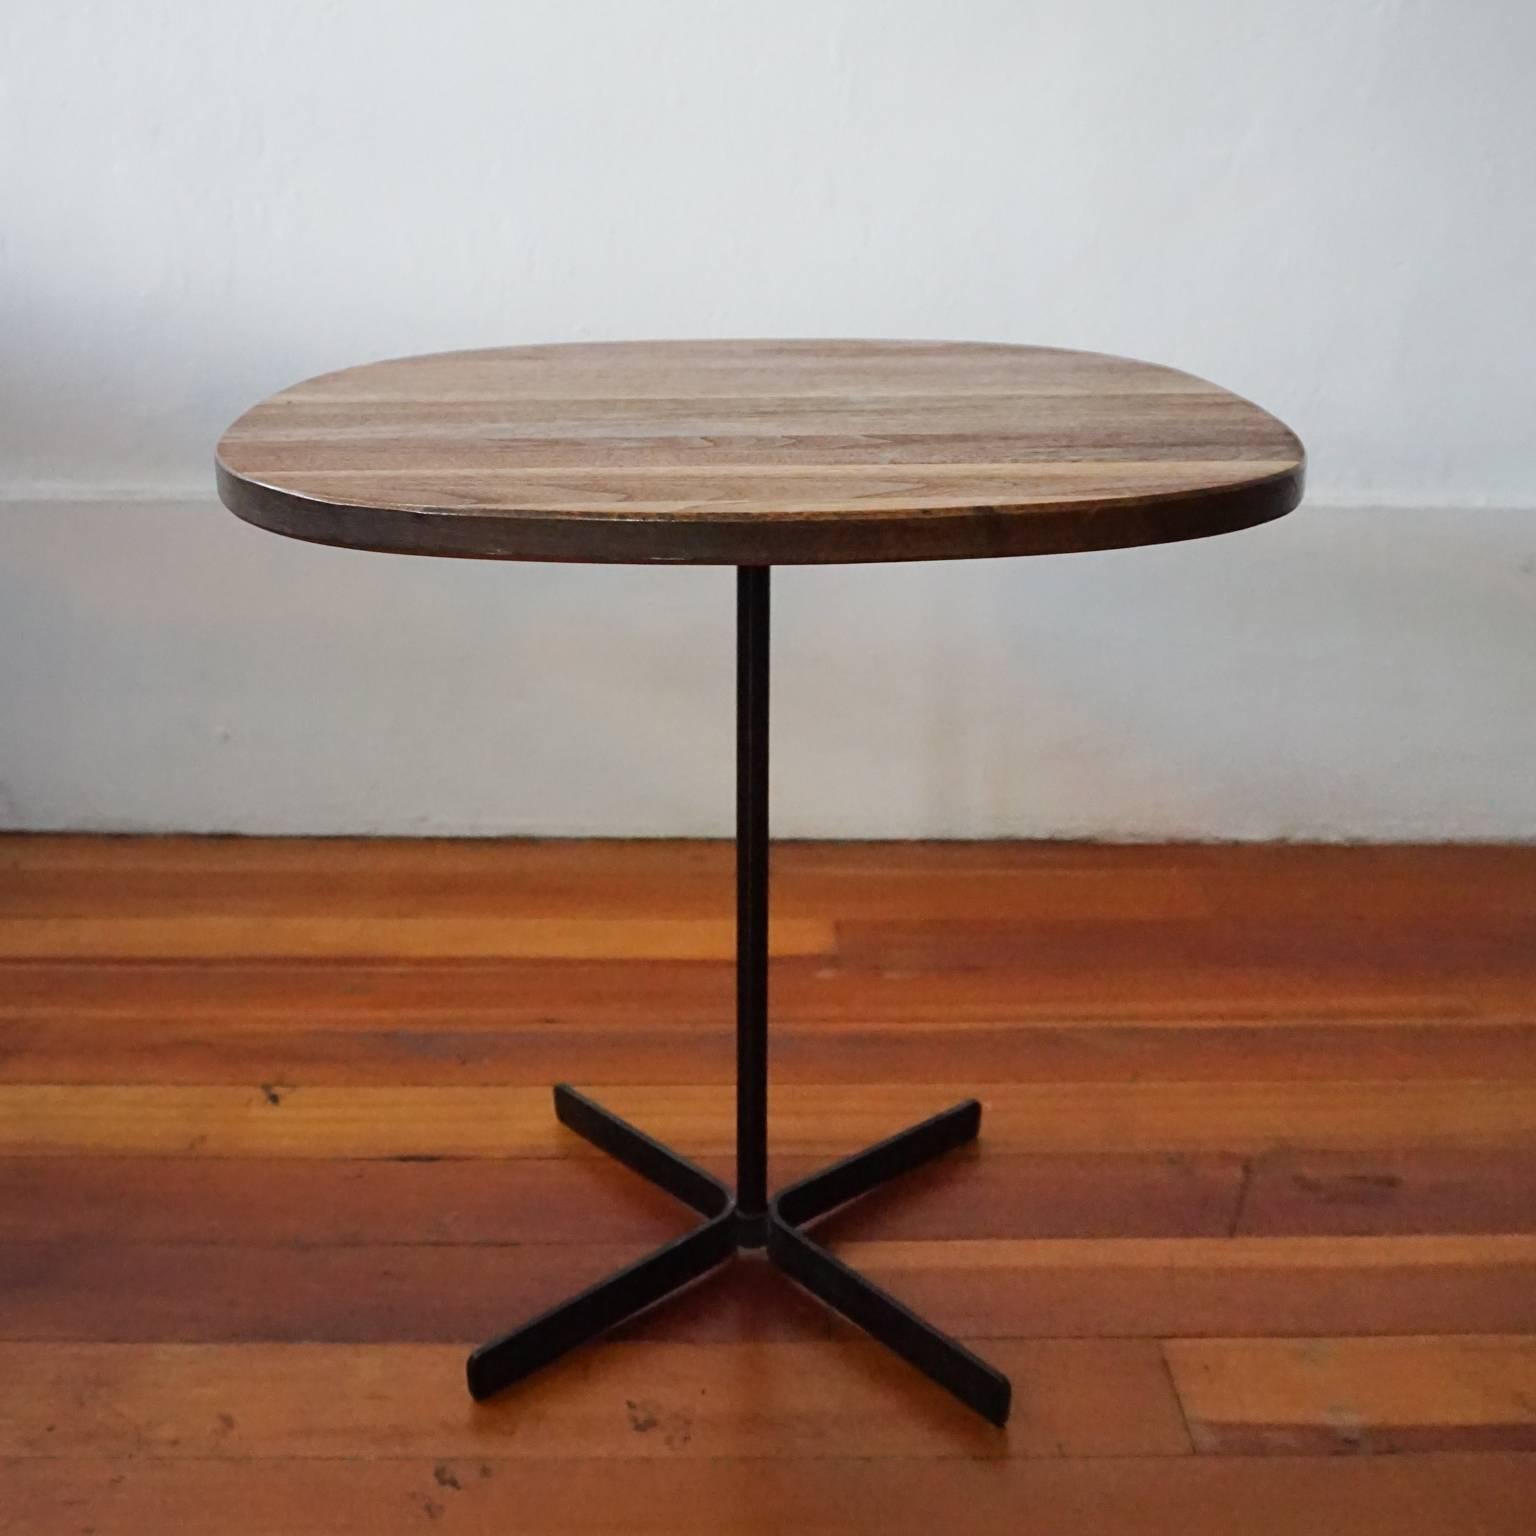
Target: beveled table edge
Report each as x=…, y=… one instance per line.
x=834, y=537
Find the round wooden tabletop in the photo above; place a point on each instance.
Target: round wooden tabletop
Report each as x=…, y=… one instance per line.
x=757, y=453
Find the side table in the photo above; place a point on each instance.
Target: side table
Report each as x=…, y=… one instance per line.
x=755, y=454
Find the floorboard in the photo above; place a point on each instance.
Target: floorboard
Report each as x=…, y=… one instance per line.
x=1252, y=1222
x=1357, y=1395
x=1414, y=1495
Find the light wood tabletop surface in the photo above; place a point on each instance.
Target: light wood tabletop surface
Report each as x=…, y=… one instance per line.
x=757, y=453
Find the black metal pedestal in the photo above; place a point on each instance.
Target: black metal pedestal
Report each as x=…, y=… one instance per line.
x=749, y=1219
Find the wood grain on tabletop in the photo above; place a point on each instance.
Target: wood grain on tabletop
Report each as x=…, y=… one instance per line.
x=757, y=453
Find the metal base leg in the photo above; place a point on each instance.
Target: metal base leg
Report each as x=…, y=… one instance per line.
x=513, y=1356
x=748, y=1218
x=879, y=1314
x=639, y=1285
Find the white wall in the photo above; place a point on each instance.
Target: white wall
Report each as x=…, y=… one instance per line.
x=1328, y=207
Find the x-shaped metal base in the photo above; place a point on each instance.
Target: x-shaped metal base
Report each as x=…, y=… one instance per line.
x=508, y=1359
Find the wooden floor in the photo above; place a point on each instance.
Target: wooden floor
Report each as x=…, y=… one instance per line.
x=1252, y=1223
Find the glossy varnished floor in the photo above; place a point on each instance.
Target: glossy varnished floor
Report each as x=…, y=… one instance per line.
x=1252, y=1223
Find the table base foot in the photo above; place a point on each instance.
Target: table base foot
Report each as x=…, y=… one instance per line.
x=508, y=1359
